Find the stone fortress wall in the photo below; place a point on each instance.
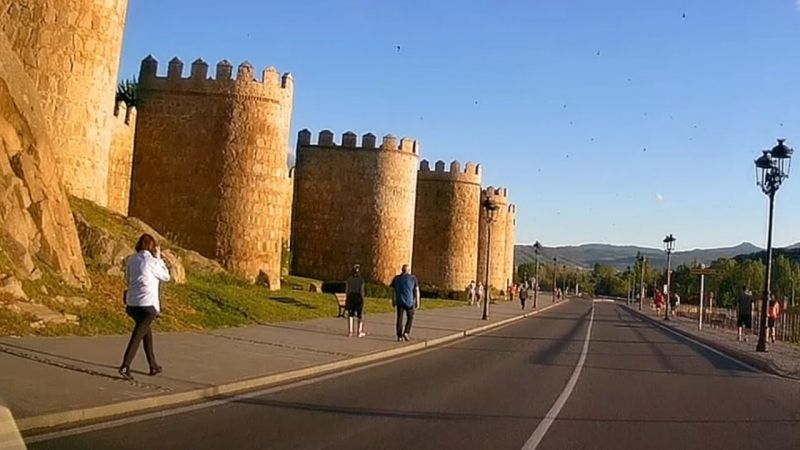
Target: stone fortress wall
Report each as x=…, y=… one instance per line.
x=498, y=262
x=288, y=187
x=209, y=166
x=36, y=223
x=353, y=204
x=511, y=235
x=446, y=224
x=120, y=157
x=71, y=51
x=210, y=162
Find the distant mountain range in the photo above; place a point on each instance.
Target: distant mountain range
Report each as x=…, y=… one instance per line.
x=621, y=256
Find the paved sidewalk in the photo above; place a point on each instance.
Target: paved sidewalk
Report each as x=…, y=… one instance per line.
x=48, y=376
x=782, y=359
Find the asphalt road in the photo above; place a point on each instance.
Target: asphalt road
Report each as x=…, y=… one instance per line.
x=640, y=387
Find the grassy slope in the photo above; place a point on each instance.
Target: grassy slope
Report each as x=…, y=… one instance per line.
x=206, y=300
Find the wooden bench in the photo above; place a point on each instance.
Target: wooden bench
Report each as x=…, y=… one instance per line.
x=341, y=299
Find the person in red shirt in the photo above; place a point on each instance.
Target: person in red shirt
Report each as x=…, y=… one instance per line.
x=659, y=301
x=773, y=312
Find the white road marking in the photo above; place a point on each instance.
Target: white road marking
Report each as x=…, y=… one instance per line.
x=552, y=415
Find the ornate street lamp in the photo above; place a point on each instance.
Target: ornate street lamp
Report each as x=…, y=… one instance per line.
x=537, y=247
x=490, y=206
x=772, y=168
x=669, y=246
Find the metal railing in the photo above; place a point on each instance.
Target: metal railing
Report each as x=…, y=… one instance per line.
x=787, y=327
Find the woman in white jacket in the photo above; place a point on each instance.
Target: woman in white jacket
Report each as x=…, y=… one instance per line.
x=144, y=272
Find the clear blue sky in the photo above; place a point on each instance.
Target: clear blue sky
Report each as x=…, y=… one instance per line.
x=563, y=127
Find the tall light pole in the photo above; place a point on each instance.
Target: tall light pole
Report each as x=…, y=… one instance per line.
x=642, y=262
x=537, y=247
x=771, y=169
x=555, y=277
x=490, y=206
x=629, y=292
x=669, y=246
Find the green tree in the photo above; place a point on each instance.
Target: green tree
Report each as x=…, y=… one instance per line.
x=126, y=91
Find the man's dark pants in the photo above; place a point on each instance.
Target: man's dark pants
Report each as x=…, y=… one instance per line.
x=409, y=312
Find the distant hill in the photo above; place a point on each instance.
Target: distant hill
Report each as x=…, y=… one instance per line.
x=621, y=256
x=792, y=252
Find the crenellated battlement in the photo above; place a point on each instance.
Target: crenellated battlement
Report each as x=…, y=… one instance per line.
x=124, y=114
x=470, y=174
x=271, y=83
x=499, y=194
x=349, y=141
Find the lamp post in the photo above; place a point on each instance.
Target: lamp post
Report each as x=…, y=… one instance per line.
x=629, y=291
x=490, y=206
x=772, y=167
x=642, y=262
x=537, y=247
x=669, y=246
x=555, y=276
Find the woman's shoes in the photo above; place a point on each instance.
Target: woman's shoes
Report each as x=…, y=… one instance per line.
x=156, y=370
x=125, y=372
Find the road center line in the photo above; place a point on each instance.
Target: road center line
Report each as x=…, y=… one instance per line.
x=552, y=415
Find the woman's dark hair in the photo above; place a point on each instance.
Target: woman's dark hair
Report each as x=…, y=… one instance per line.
x=146, y=242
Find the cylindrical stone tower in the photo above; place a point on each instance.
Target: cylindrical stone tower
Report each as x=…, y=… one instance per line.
x=353, y=204
x=446, y=225
x=511, y=235
x=71, y=50
x=209, y=166
x=499, y=262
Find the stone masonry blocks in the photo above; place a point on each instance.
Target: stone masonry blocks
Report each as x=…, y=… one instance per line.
x=71, y=51
x=353, y=205
x=499, y=275
x=210, y=162
x=446, y=224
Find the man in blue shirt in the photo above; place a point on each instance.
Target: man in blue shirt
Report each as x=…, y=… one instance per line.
x=406, y=300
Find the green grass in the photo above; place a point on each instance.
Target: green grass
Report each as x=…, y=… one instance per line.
x=206, y=301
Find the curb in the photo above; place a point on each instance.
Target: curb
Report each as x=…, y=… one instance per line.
x=744, y=357
x=72, y=417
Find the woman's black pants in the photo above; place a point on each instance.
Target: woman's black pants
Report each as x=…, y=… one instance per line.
x=143, y=316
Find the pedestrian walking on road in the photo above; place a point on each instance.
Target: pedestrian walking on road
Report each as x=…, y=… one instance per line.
x=523, y=296
x=354, y=302
x=471, y=292
x=479, y=294
x=744, y=317
x=406, y=300
x=773, y=313
x=512, y=288
x=144, y=272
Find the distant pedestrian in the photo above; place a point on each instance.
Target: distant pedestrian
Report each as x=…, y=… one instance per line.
x=744, y=318
x=674, y=303
x=523, y=296
x=658, y=301
x=354, y=303
x=512, y=288
x=406, y=300
x=479, y=294
x=144, y=272
x=773, y=312
x=471, y=292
